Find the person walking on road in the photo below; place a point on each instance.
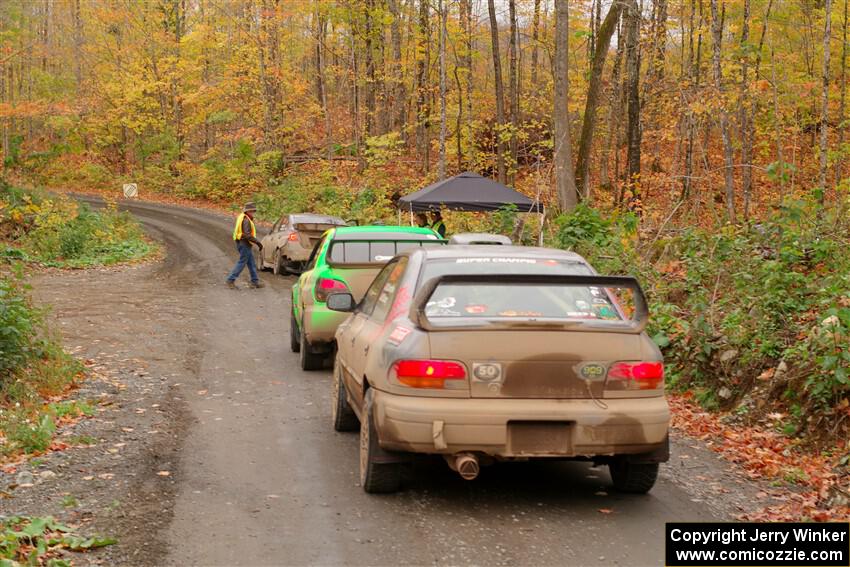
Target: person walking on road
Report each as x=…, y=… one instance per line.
x=245, y=233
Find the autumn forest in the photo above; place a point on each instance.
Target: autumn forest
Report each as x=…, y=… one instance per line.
x=716, y=105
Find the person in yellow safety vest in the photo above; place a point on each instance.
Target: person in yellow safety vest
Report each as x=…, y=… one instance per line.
x=438, y=225
x=245, y=233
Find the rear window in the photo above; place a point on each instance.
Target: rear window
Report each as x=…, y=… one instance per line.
x=314, y=219
x=523, y=301
x=504, y=265
x=313, y=227
x=371, y=251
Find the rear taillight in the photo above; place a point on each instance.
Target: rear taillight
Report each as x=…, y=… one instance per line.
x=439, y=374
x=293, y=236
x=326, y=286
x=637, y=375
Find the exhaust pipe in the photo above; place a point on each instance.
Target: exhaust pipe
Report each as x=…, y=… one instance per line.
x=466, y=465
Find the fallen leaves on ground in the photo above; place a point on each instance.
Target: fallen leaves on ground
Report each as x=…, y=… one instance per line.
x=41, y=540
x=764, y=454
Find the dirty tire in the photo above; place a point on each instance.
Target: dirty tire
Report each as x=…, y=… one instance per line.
x=309, y=359
x=294, y=335
x=344, y=417
x=636, y=478
x=375, y=478
x=276, y=269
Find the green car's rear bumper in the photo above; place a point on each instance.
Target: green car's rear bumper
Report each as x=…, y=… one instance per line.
x=320, y=324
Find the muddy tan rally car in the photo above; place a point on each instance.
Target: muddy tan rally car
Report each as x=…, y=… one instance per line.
x=288, y=244
x=488, y=353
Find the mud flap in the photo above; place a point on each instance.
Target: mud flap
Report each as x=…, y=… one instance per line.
x=382, y=455
x=660, y=454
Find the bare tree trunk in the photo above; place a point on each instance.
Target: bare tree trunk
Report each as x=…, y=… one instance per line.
x=603, y=40
x=399, y=93
x=614, y=110
x=179, y=30
x=744, y=114
x=780, y=158
x=268, y=39
x=423, y=111
x=441, y=170
x=321, y=34
x=632, y=25
x=355, y=88
x=318, y=38
x=824, y=115
x=78, y=45
x=500, y=94
x=839, y=163
x=565, y=182
x=717, y=35
x=205, y=73
x=660, y=40
x=368, y=6
x=535, y=40
x=463, y=77
x=513, y=89
x=695, y=70
x=468, y=40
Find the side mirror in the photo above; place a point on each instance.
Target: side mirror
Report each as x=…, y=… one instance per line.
x=341, y=301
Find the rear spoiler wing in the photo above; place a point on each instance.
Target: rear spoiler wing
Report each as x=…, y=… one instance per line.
x=636, y=325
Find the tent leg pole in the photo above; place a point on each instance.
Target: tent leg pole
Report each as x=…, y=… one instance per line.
x=540, y=235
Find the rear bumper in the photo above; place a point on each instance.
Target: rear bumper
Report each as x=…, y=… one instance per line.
x=522, y=428
x=320, y=323
x=296, y=252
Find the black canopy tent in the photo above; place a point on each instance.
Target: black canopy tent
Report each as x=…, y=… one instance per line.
x=467, y=192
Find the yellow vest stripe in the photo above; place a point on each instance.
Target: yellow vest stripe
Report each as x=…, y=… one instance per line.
x=237, y=230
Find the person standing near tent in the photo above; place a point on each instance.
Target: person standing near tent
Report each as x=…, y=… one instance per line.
x=422, y=220
x=438, y=225
x=244, y=234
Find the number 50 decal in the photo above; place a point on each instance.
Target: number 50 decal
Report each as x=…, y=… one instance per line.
x=487, y=371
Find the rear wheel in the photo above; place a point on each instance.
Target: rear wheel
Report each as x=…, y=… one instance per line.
x=276, y=267
x=343, y=416
x=309, y=359
x=375, y=477
x=294, y=335
x=637, y=478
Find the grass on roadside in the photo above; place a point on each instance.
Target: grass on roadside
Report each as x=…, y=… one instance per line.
x=56, y=231
x=33, y=368
x=51, y=231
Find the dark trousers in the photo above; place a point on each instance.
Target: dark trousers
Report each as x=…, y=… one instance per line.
x=246, y=257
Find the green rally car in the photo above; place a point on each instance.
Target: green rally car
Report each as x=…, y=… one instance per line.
x=346, y=259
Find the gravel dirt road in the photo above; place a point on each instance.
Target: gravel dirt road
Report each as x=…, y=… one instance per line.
x=243, y=468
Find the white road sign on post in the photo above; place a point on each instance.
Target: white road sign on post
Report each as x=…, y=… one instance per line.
x=131, y=190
